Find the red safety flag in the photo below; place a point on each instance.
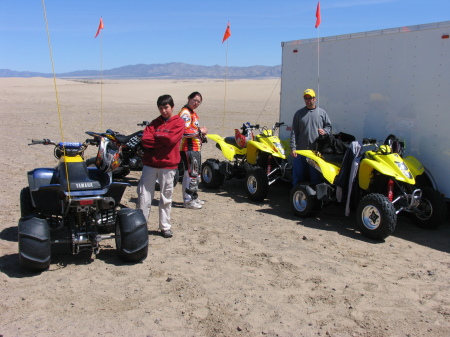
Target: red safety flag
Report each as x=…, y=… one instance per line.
x=227, y=33
x=318, y=14
x=100, y=26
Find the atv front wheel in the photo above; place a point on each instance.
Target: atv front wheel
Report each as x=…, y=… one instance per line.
x=34, y=244
x=131, y=235
x=257, y=184
x=303, y=202
x=376, y=216
x=211, y=176
x=431, y=210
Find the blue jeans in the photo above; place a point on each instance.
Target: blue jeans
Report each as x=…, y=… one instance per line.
x=302, y=171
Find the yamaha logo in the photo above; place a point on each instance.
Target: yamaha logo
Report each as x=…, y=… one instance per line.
x=84, y=185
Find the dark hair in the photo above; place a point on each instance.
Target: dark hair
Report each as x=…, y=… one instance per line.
x=195, y=93
x=164, y=100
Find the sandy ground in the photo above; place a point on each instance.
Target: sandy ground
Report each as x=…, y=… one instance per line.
x=233, y=268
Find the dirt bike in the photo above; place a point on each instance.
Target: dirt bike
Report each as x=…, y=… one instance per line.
x=385, y=184
x=132, y=150
x=261, y=160
x=76, y=205
x=132, y=153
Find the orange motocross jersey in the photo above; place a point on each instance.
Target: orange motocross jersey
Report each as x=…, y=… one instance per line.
x=191, y=139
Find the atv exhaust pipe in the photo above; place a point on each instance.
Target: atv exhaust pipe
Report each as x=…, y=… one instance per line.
x=107, y=203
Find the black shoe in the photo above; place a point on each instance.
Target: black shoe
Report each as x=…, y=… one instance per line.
x=167, y=234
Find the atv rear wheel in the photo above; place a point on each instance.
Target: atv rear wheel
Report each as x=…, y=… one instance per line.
x=34, y=244
x=432, y=209
x=257, y=184
x=131, y=235
x=26, y=205
x=376, y=216
x=211, y=176
x=303, y=203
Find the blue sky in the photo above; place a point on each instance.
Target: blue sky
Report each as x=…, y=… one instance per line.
x=148, y=31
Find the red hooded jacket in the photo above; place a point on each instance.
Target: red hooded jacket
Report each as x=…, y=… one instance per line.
x=161, y=141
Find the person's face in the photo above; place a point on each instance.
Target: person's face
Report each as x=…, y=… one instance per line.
x=165, y=111
x=194, y=102
x=310, y=101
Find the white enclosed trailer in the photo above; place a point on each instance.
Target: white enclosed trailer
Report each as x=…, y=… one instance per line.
x=376, y=83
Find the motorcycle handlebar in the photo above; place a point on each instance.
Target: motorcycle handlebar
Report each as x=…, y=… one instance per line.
x=144, y=123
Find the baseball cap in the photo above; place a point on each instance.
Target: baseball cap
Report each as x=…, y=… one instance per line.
x=309, y=92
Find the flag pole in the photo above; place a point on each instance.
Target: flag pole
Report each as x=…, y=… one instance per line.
x=225, y=94
x=318, y=20
x=101, y=81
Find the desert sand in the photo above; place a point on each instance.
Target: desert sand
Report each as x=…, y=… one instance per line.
x=233, y=268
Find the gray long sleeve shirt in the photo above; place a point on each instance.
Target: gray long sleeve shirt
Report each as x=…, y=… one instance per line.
x=305, y=126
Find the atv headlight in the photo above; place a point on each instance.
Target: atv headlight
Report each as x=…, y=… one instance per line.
x=402, y=166
x=280, y=148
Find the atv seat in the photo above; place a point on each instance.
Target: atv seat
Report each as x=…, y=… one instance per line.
x=124, y=139
x=335, y=159
x=232, y=141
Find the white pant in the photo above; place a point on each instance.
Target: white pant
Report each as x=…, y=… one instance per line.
x=146, y=191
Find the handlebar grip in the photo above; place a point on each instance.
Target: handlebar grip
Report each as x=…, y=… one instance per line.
x=144, y=123
x=367, y=141
x=39, y=141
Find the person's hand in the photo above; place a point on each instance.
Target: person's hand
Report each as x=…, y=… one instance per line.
x=203, y=130
x=293, y=153
x=321, y=131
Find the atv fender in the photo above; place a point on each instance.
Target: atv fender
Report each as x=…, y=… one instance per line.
x=328, y=170
x=368, y=165
x=228, y=150
x=252, y=150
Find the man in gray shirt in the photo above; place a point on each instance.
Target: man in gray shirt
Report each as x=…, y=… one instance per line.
x=309, y=122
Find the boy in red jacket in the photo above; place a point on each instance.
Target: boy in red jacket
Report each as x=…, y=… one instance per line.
x=161, y=141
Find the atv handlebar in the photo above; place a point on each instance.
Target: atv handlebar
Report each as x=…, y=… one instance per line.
x=144, y=123
x=369, y=141
x=43, y=141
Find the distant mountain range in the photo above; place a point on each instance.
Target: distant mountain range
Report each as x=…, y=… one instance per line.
x=168, y=70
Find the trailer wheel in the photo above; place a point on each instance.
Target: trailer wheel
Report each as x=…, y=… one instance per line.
x=131, y=235
x=376, y=216
x=257, y=184
x=303, y=203
x=34, y=244
x=26, y=205
x=211, y=176
x=432, y=209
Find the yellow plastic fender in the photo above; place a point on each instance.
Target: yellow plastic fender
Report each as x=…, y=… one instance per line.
x=386, y=165
x=252, y=150
x=329, y=171
x=74, y=159
x=228, y=150
x=414, y=165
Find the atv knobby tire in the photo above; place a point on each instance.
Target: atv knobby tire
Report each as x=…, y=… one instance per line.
x=303, y=203
x=211, y=176
x=34, y=244
x=257, y=184
x=376, y=216
x=131, y=235
x=432, y=209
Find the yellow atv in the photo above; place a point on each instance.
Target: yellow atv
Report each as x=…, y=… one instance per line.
x=384, y=184
x=260, y=159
